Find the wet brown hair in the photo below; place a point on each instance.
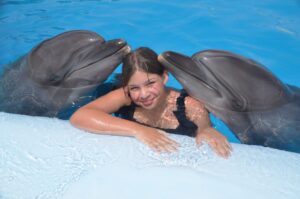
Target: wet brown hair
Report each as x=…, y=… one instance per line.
x=142, y=59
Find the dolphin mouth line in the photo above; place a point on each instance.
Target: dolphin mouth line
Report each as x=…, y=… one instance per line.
x=123, y=49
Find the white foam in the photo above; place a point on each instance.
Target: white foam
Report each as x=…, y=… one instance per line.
x=48, y=158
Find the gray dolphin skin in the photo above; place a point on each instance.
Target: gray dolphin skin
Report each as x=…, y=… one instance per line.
x=59, y=73
x=245, y=95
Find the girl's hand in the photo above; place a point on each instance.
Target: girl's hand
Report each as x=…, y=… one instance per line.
x=157, y=140
x=215, y=140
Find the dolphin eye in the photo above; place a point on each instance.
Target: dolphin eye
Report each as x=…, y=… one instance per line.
x=54, y=79
x=239, y=104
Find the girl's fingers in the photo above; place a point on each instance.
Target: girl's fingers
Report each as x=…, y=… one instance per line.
x=199, y=141
x=154, y=147
x=167, y=145
x=171, y=147
x=164, y=148
x=169, y=141
x=225, y=150
x=164, y=135
x=160, y=145
x=163, y=138
x=229, y=146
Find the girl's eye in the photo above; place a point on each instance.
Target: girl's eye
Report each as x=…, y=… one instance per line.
x=150, y=83
x=133, y=88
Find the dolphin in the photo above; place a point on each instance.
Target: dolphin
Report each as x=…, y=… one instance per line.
x=257, y=107
x=59, y=73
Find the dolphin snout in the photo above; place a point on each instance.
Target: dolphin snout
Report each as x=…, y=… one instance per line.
x=166, y=54
x=173, y=60
x=117, y=42
x=121, y=42
x=116, y=46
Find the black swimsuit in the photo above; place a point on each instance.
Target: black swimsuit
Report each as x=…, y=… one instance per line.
x=185, y=127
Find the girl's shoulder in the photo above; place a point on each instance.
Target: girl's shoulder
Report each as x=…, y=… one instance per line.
x=121, y=95
x=194, y=107
x=181, y=93
x=189, y=102
x=173, y=92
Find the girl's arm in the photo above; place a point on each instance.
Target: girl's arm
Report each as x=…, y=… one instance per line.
x=96, y=117
x=197, y=113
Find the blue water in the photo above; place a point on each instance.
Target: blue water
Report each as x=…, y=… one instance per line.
x=267, y=31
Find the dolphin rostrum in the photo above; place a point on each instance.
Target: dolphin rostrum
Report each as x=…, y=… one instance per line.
x=255, y=105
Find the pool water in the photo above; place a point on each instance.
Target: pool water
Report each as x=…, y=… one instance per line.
x=267, y=31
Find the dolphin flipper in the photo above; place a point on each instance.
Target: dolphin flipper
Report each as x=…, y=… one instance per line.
x=245, y=95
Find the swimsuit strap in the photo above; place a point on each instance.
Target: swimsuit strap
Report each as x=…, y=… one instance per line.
x=180, y=101
x=180, y=114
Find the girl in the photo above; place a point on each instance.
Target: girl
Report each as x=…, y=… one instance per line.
x=147, y=109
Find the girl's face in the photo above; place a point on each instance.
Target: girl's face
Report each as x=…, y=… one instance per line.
x=147, y=89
